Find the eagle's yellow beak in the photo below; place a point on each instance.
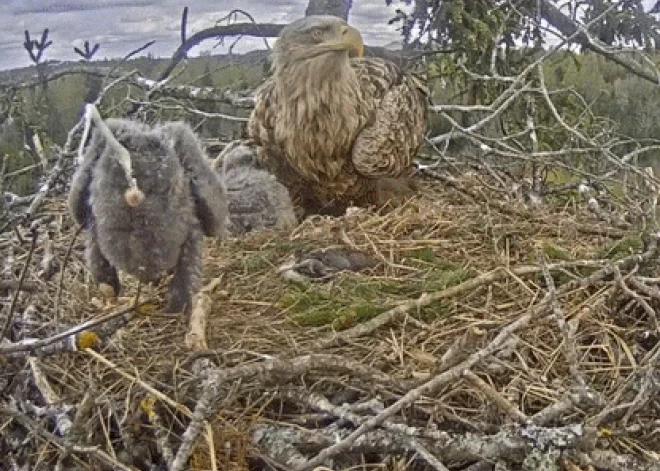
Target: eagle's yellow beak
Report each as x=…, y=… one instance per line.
x=352, y=40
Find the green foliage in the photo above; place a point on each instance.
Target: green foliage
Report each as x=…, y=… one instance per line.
x=350, y=301
x=313, y=307
x=472, y=28
x=554, y=251
x=620, y=22
x=483, y=36
x=621, y=248
x=624, y=103
x=425, y=254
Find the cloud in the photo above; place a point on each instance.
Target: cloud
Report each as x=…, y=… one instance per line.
x=121, y=26
x=46, y=7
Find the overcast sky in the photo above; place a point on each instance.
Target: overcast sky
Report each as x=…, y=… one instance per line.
x=123, y=25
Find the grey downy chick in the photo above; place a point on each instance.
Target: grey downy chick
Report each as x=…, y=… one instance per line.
x=146, y=197
x=256, y=199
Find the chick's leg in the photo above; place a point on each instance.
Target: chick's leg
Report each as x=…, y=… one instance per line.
x=187, y=274
x=104, y=274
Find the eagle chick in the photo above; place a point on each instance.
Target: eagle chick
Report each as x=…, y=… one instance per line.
x=146, y=197
x=256, y=199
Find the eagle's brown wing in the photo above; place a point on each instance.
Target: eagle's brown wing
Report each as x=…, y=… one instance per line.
x=398, y=112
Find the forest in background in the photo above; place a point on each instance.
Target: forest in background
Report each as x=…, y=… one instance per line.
x=623, y=103
x=50, y=111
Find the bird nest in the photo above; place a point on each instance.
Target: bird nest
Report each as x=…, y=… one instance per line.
x=488, y=336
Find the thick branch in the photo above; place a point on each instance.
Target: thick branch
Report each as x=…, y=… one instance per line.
x=264, y=30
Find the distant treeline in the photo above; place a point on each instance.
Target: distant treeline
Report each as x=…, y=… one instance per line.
x=628, y=104
x=51, y=109
x=586, y=88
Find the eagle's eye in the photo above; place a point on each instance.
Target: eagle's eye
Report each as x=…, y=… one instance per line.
x=317, y=34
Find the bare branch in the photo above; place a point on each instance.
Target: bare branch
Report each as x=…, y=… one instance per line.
x=570, y=29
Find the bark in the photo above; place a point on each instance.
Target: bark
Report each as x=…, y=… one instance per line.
x=338, y=8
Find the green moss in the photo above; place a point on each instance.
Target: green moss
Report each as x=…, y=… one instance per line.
x=256, y=262
x=424, y=254
x=621, y=248
x=314, y=307
x=356, y=299
x=560, y=176
x=554, y=251
x=433, y=280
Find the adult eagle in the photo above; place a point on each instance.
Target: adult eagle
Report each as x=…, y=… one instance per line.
x=336, y=128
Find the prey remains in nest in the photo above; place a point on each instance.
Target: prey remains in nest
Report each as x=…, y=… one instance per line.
x=146, y=197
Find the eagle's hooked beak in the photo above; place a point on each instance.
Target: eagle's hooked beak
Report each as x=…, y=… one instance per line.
x=352, y=40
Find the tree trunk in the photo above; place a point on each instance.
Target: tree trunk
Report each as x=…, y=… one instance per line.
x=338, y=8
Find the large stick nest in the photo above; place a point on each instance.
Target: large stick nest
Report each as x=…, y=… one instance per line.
x=489, y=336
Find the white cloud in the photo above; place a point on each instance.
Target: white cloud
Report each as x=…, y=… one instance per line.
x=123, y=25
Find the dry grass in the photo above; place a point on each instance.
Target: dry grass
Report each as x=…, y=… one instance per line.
x=436, y=241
